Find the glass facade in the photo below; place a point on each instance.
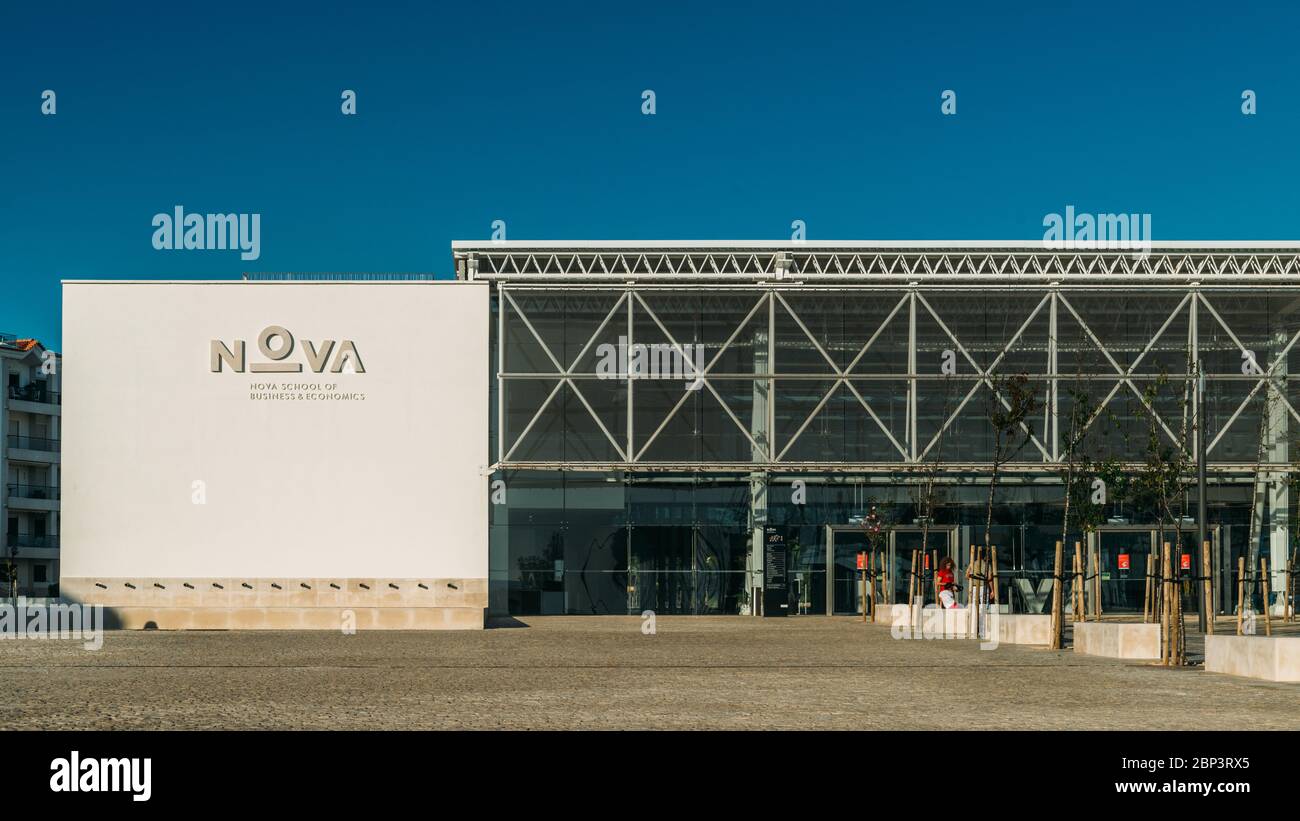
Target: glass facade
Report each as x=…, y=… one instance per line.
x=646, y=434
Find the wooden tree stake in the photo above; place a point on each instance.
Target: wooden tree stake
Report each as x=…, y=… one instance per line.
x=1241, y=591
x=1058, y=616
x=1096, y=581
x=1207, y=588
x=970, y=573
x=1146, y=592
x=1166, y=614
x=1263, y=594
x=871, y=574
x=934, y=575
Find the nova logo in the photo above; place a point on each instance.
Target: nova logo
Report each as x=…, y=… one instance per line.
x=277, y=345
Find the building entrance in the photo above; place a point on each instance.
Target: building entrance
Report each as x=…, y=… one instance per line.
x=1124, y=552
x=894, y=560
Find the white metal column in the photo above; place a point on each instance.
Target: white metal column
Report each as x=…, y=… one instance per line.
x=501, y=369
x=1054, y=380
x=630, y=453
x=913, y=450
x=1279, y=495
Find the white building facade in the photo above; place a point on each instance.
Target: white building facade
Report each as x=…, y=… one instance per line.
x=277, y=454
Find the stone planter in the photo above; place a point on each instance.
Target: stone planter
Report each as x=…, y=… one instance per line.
x=1268, y=658
x=1117, y=640
x=1024, y=628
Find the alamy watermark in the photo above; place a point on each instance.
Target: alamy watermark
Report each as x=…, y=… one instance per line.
x=59, y=620
x=179, y=231
x=933, y=622
x=125, y=775
x=653, y=361
x=1114, y=232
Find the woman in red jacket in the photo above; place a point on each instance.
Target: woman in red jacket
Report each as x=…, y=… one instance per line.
x=947, y=584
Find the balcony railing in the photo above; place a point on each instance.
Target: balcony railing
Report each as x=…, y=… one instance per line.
x=33, y=443
x=20, y=540
x=34, y=392
x=33, y=491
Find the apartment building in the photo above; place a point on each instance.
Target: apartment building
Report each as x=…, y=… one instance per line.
x=30, y=411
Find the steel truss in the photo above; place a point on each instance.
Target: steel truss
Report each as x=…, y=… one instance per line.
x=875, y=262
x=770, y=300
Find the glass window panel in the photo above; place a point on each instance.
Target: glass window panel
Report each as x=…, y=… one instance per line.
x=667, y=421
x=721, y=438
x=867, y=314
x=595, y=568
x=821, y=315
x=584, y=438
x=524, y=352
x=661, y=500
x=587, y=329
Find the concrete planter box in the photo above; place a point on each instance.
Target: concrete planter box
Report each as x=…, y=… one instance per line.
x=885, y=613
x=1024, y=628
x=1011, y=628
x=1117, y=641
x=925, y=623
x=1262, y=657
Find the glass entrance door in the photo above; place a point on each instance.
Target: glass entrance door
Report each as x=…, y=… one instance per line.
x=685, y=569
x=1124, y=556
x=847, y=580
x=1124, y=551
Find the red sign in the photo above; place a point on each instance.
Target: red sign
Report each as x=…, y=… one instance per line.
x=1123, y=561
x=1187, y=561
x=862, y=561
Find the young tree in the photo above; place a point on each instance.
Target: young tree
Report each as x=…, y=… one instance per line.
x=1162, y=483
x=926, y=492
x=1012, y=405
x=1076, y=469
x=1078, y=473
x=877, y=524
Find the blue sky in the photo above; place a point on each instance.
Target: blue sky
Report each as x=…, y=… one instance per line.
x=531, y=113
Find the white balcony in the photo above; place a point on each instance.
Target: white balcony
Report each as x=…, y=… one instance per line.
x=32, y=497
x=35, y=398
x=32, y=449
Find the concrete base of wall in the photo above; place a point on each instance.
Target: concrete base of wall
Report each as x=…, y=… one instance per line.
x=284, y=604
x=1117, y=640
x=1262, y=657
x=293, y=618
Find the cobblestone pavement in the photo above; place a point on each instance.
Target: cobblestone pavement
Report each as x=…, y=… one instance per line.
x=575, y=672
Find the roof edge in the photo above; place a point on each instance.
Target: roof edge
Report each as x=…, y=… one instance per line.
x=1035, y=245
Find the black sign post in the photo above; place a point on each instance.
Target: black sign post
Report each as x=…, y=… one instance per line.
x=776, y=592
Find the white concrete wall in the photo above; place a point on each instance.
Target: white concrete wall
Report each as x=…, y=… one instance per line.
x=390, y=486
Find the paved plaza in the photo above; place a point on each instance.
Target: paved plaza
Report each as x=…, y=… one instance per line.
x=604, y=673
